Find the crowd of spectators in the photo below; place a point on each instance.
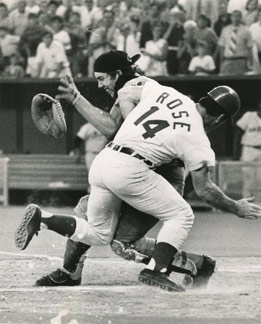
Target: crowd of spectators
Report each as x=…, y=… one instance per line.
x=51, y=38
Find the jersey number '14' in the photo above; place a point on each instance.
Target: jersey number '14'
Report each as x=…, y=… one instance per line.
x=152, y=126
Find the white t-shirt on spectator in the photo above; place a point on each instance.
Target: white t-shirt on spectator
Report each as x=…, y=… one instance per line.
x=50, y=57
x=64, y=38
x=88, y=18
x=206, y=62
x=129, y=45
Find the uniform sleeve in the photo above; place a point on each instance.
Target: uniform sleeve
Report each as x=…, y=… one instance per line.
x=244, y=121
x=196, y=151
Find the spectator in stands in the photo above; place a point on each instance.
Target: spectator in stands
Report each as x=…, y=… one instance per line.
x=173, y=35
x=224, y=18
x=171, y=7
x=60, y=34
x=64, y=9
x=78, y=58
x=43, y=4
x=93, y=142
x=4, y=22
x=236, y=5
x=250, y=12
x=153, y=61
x=14, y=70
x=206, y=34
x=30, y=38
x=128, y=39
x=43, y=20
x=51, y=58
x=195, y=8
x=51, y=9
x=187, y=47
x=102, y=39
x=202, y=63
x=255, y=30
x=235, y=47
x=18, y=18
x=146, y=27
x=90, y=14
x=32, y=7
x=247, y=146
x=8, y=43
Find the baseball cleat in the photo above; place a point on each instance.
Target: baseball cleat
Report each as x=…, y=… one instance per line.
x=158, y=279
x=201, y=279
x=29, y=226
x=57, y=278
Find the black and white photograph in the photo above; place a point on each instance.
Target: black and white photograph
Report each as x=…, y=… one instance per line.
x=130, y=161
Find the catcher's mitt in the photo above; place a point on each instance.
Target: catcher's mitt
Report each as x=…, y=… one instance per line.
x=48, y=116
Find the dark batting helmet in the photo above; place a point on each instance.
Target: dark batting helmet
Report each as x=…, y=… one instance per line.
x=221, y=100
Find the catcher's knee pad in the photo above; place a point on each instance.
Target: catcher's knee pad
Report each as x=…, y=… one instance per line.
x=73, y=253
x=127, y=252
x=183, y=270
x=80, y=209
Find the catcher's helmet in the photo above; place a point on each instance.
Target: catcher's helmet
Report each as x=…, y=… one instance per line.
x=221, y=100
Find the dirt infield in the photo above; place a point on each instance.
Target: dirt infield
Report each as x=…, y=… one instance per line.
x=110, y=292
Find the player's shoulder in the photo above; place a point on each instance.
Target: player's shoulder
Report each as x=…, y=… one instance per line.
x=249, y=114
x=139, y=81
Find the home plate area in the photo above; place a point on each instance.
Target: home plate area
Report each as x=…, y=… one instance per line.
x=111, y=293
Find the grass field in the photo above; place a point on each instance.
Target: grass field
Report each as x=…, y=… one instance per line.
x=110, y=292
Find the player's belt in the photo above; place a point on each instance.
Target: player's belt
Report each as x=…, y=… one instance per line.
x=131, y=152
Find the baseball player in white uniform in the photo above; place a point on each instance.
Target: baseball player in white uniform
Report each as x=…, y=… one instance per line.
x=248, y=143
x=159, y=124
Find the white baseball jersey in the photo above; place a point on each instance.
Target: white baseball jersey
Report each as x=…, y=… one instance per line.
x=164, y=124
x=250, y=123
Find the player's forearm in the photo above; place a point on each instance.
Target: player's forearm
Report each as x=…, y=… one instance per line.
x=100, y=119
x=215, y=197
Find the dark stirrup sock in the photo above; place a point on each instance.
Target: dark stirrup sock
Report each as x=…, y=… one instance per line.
x=61, y=224
x=162, y=256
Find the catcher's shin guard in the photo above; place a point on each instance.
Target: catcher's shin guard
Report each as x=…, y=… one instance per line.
x=29, y=226
x=201, y=279
x=73, y=253
x=182, y=270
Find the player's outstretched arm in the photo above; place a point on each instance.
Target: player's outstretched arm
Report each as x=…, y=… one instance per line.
x=213, y=195
x=106, y=123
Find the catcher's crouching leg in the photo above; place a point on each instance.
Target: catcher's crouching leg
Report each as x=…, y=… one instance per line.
x=74, y=257
x=189, y=269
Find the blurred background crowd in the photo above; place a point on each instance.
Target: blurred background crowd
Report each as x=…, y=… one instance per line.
x=50, y=38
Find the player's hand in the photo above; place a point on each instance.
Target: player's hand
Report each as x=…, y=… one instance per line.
x=248, y=210
x=67, y=90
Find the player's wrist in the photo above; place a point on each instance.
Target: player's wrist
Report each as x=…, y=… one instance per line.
x=76, y=97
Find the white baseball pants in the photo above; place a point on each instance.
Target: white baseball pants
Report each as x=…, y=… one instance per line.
x=116, y=176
